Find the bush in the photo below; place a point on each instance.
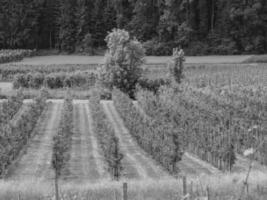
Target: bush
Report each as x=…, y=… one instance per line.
x=20, y=81
x=11, y=55
x=153, y=85
x=154, y=47
x=36, y=81
x=54, y=80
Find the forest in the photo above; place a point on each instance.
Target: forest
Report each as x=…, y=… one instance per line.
x=201, y=27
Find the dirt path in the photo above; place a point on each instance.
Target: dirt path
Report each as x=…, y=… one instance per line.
x=36, y=162
x=84, y=164
x=137, y=163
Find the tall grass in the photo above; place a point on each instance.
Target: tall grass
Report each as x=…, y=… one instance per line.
x=222, y=187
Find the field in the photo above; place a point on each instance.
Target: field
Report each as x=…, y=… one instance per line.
x=221, y=109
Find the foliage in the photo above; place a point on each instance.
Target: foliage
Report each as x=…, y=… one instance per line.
x=154, y=47
x=106, y=138
x=55, y=80
x=158, y=138
x=177, y=65
x=122, y=68
x=203, y=134
x=222, y=27
x=9, y=55
x=15, y=136
x=11, y=107
x=62, y=141
x=87, y=43
x=8, y=71
x=152, y=85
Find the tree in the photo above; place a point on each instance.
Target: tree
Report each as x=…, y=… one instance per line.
x=145, y=20
x=122, y=62
x=67, y=25
x=81, y=21
x=177, y=65
x=18, y=23
x=47, y=24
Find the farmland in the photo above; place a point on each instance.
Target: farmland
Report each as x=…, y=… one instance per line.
x=200, y=132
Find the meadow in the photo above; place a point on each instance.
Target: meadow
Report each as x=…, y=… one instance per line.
x=94, y=139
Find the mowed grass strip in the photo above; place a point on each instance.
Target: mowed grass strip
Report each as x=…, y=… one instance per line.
x=138, y=165
x=35, y=164
x=82, y=164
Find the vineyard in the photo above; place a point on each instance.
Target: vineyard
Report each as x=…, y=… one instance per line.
x=199, y=129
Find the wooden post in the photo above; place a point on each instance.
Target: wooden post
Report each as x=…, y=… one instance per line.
x=116, y=194
x=125, y=196
x=191, y=189
x=56, y=185
x=184, y=186
x=208, y=193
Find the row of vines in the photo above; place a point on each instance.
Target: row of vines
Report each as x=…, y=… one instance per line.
x=11, y=55
x=161, y=140
x=212, y=132
x=62, y=141
x=55, y=80
x=9, y=71
x=106, y=138
x=247, y=118
x=14, y=136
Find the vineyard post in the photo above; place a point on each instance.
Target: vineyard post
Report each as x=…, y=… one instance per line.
x=191, y=189
x=56, y=186
x=19, y=197
x=229, y=141
x=125, y=187
x=208, y=193
x=56, y=178
x=184, y=186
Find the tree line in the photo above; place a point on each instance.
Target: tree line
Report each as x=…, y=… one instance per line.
x=199, y=26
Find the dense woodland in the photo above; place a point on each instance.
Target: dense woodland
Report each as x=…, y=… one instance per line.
x=199, y=26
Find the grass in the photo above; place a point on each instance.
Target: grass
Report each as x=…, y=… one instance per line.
x=256, y=59
x=222, y=187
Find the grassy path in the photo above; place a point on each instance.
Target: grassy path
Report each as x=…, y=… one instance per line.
x=137, y=163
x=84, y=164
x=36, y=162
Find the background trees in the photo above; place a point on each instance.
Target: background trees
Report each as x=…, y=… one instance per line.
x=200, y=26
